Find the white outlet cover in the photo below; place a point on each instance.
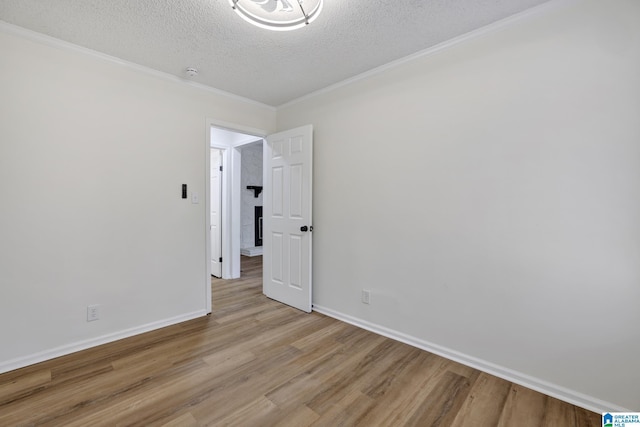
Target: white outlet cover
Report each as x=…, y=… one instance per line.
x=93, y=312
x=366, y=296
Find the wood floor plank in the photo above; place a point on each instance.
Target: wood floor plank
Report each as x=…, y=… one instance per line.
x=585, y=418
x=250, y=414
x=558, y=413
x=256, y=362
x=522, y=408
x=379, y=386
x=144, y=399
x=362, y=366
x=410, y=395
x=484, y=404
x=441, y=406
x=244, y=385
x=184, y=420
x=311, y=340
x=318, y=375
x=229, y=358
x=298, y=416
x=19, y=385
x=350, y=410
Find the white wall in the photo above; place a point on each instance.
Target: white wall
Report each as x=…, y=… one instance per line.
x=251, y=175
x=489, y=197
x=92, y=158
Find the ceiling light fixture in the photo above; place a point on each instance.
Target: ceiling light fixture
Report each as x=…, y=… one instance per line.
x=278, y=15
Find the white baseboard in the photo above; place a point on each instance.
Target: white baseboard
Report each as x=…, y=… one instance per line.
x=550, y=389
x=42, y=356
x=253, y=251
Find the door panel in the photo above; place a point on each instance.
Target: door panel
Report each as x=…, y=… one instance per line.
x=295, y=256
x=276, y=256
x=277, y=200
x=287, y=208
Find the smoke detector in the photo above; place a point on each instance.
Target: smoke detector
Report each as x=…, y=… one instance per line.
x=191, y=72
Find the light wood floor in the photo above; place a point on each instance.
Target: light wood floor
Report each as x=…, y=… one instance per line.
x=255, y=362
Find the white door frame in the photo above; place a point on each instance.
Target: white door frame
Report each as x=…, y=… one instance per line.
x=231, y=201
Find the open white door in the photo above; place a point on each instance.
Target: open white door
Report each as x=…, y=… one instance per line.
x=216, y=208
x=287, y=226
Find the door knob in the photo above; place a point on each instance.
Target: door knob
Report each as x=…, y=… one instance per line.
x=304, y=228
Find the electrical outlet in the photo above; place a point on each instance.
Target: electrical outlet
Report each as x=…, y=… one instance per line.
x=93, y=312
x=366, y=296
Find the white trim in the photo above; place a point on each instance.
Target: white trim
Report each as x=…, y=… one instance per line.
x=252, y=251
x=21, y=362
x=235, y=216
x=433, y=50
x=225, y=212
x=207, y=219
x=207, y=222
x=234, y=127
x=570, y=396
x=61, y=44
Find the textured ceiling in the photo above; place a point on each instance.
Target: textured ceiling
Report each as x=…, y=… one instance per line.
x=349, y=38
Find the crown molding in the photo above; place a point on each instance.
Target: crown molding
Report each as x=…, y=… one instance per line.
x=480, y=32
x=34, y=36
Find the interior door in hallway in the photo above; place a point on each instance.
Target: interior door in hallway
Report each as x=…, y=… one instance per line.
x=287, y=222
x=216, y=207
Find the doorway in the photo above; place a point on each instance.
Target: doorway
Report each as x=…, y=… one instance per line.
x=230, y=143
x=287, y=161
